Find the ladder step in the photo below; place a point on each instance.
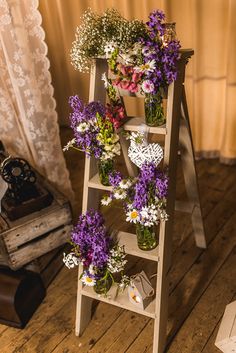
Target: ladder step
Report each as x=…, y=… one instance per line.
x=95, y=183
x=121, y=300
x=129, y=240
x=133, y=124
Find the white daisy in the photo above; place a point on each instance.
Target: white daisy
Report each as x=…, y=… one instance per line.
x=132, y=216
x=82, y=127
x=147, y=67
x=106, y=200
x=109, y=48
x=88, y=281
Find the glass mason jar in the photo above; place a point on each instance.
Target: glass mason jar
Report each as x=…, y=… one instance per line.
x=146, y=237
x=103, y=284
x=154, y=113
x=104, y=168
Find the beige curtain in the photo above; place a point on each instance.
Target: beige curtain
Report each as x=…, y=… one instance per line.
x=28, y=120
x=209, y=27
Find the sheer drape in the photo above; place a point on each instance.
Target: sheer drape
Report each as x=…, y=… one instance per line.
x=28, y=120
x=209, y=27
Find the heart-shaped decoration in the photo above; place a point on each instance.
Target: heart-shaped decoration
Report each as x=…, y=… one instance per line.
x=140, y=153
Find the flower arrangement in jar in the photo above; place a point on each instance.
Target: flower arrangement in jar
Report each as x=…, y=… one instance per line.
x=94, y=134
x=144, y=199
x=97, y=251
x=141, y=56
x=149, y=66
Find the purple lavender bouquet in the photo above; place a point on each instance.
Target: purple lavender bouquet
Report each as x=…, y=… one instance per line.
x=144, y=200
x=94, y=248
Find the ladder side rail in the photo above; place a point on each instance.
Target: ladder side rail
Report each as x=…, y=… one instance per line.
x=90, y=196
x=166, y=228
x=190, y=174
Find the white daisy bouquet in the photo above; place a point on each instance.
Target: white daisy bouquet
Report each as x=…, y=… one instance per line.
x=95, y=249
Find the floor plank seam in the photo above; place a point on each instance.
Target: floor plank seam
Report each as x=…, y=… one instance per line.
x=137, y=337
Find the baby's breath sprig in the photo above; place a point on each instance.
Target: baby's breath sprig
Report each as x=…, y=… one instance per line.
x=97, y=32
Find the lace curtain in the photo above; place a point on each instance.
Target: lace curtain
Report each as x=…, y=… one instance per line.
x=28, y=120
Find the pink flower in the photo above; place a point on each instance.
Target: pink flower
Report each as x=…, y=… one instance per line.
x=136, y=77
x=133, y=87
x=147, y=86
x=124, y=84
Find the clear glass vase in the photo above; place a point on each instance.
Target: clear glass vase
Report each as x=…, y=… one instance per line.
x=104, y=168
x=146, y=237
x=154, y=113
x=103, y=285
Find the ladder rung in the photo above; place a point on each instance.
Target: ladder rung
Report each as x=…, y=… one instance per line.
x=129, y=240
x=95, y=183
x=121, y=300
x=133, y=124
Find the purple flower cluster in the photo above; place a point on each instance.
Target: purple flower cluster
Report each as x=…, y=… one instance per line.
x=91, y=238
x=165, y=56
x=86, y=139
x=115, y=178
x=156, y=24
x=152, y=184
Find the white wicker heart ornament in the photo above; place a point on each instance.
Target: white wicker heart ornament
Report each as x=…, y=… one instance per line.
x=140, y=153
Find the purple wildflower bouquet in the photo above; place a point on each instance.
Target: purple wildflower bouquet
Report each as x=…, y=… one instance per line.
x=93, y=130
x=95, y=249
x=144, y=197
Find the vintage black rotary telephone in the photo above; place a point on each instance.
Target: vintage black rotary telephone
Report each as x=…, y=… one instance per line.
x=20, y=179
x=26, y=192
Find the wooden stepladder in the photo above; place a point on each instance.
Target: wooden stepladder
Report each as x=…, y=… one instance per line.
x=177, y=135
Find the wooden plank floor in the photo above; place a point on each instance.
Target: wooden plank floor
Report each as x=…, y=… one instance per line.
x=202, y=283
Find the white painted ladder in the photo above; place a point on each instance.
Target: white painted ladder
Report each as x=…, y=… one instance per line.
x=177, y=135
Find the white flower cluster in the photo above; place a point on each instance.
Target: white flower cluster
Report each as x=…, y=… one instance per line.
x=119, y=193
x=100, y=34
x=116, y=261
x=106, y=200
x=70, y=144
x=124, y=283
x=111, y=146
x=148, y=216
x=137, y=138
x=109, y=48
x=70, y=260
x=105, y=80
x=82, y=127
